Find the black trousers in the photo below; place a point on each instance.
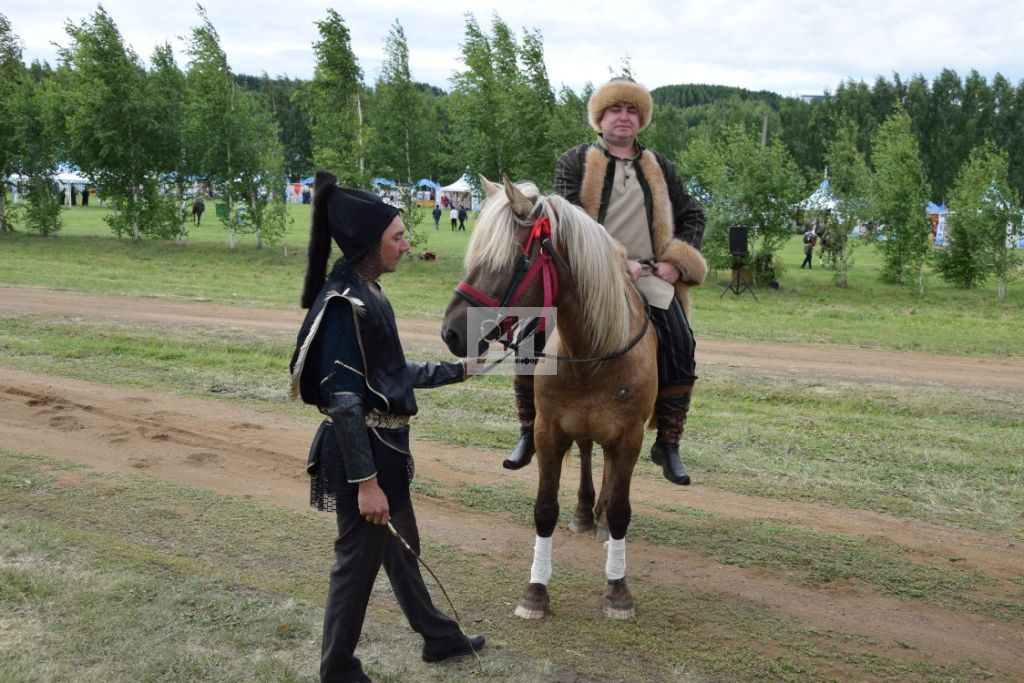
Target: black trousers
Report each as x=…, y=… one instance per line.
x=360, y=550
x=676, y=346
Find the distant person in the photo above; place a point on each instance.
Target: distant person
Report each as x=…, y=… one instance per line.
x=437, y=216
x=454, y=216
x=810, y=239
x=462, y=218
x=85, y=196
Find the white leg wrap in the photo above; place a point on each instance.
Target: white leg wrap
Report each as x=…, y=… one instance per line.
x=540, y=572
x=615, y=566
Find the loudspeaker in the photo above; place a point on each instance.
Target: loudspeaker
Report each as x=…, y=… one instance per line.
x=738, y=239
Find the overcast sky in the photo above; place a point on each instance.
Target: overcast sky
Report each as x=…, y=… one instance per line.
x=792, y=47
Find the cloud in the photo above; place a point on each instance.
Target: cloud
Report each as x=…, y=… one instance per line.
x=788, y=46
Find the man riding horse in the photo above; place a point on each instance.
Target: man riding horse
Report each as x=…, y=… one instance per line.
x=638, y=196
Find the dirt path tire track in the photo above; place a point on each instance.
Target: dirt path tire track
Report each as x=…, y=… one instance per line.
x=237, y=451
x=850, y=364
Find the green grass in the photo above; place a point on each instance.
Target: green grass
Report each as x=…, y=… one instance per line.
x=946, y=455
x=115, y=578
x=808, y=309
x=808, y=556
x=162, y=582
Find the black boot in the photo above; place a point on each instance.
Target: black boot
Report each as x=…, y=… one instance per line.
x=522, y=454
x=670, y=414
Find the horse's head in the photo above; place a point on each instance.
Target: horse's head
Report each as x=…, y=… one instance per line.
x=494, y=262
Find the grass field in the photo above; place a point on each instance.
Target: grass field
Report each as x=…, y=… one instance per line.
x=808, y=309
x=130, y=578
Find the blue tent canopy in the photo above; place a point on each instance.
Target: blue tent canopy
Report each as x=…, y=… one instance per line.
x=936, y=208
x=427, y=182
x=307, y=181
x=384, y=182
x=820, y=200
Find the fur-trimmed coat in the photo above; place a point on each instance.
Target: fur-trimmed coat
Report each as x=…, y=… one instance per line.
x=584, y=176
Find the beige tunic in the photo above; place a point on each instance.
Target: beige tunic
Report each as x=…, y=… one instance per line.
x=626, y=221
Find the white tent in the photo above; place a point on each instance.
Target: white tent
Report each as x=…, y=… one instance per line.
x=461, y=185
x=71, y=178
x=461, y=190
x=69, y=181
x=820, y=200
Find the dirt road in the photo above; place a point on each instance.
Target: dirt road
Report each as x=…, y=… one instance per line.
x=233, y=450
x=858, y=365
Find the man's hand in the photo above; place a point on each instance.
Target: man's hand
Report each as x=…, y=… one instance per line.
x=636, y=269
x=474, y=366
x=373, y=504
x=667, y=272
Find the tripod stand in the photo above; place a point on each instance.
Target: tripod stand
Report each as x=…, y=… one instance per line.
x=737, y=285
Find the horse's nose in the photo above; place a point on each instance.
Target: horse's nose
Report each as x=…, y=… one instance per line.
x=453, y=340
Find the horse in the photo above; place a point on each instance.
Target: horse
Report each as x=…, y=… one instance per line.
x=198, y=207
x=541, y=252
x=827, y=251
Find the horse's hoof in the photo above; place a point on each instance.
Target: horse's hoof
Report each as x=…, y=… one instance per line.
x=602, y=532
x=534, y=603
x=582, y=523
x=618, y=601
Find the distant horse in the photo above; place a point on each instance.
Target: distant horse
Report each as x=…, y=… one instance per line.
x=533, y=251
x=198, y=207
x=827, y=250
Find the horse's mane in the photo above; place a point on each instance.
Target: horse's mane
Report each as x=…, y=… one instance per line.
x=595, y=261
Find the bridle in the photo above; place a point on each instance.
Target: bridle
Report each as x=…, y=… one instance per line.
x=544, y=265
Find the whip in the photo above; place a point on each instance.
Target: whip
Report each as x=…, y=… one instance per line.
x=458, y=621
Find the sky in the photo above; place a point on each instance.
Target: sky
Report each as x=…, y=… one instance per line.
x=791, y=47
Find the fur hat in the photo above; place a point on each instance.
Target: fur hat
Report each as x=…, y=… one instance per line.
x=620, y=89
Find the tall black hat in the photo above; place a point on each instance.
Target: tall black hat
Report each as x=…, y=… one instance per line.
x=354, y=219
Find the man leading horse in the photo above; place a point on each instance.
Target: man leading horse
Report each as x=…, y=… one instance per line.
x=638, y=196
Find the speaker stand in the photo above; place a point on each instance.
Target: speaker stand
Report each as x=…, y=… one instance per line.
x=736, y=285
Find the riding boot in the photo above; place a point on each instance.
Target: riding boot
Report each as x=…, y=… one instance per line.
x=670, y=415
x=522, y=454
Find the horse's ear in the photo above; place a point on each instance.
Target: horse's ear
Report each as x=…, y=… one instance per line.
x=520, y=204
x=490, y=189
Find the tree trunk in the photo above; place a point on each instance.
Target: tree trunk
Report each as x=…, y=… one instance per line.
x=359, y=135
x=136, y=238
x=841, y=266
x=408, y=158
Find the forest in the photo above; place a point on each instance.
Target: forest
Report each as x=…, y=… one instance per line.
x=141, y=126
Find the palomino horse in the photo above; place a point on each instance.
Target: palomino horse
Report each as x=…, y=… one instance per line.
x=535, y=251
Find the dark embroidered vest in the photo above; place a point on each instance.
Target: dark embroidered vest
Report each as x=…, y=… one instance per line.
x=387, y=378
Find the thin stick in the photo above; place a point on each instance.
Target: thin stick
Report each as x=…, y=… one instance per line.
x=458, y=621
